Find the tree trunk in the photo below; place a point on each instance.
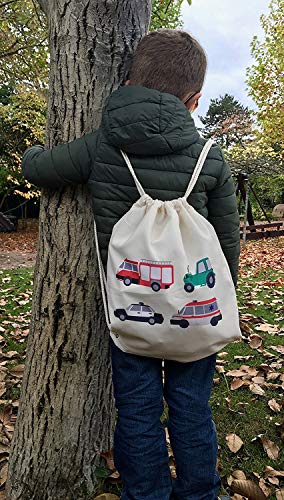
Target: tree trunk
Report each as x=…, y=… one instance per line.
x=66, y=413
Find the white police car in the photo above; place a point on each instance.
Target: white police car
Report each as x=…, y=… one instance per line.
x=139, y=312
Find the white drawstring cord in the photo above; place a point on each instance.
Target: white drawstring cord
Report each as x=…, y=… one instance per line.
x=103, y=280
x=198, y=168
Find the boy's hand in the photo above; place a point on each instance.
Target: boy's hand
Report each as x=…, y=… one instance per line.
x=62, y=165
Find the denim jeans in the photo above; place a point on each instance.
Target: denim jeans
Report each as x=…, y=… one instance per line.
x=140, y=449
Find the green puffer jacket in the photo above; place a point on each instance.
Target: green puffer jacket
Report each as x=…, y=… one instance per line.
x=159, y=134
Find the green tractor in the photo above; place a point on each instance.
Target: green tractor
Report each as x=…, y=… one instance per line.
x=204, y=276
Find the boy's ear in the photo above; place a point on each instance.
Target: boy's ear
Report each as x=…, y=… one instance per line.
x=192, y=104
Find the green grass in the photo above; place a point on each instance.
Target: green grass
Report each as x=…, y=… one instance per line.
x=244, y=413
x=14, y=317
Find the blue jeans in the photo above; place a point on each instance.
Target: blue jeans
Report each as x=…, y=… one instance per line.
x=140, y=449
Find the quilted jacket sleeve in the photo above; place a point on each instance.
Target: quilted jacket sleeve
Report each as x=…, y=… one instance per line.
x=223, y=215
x=62, y=165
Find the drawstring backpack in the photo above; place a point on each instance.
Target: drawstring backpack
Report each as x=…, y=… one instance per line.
x=168, y=292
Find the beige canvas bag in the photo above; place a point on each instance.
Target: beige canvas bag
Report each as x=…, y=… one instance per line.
x=169, y=292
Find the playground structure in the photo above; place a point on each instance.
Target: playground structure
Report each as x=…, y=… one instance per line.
x=254, y=231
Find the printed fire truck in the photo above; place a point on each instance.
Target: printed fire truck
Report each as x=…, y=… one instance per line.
x=157, y=275
x=198, y=313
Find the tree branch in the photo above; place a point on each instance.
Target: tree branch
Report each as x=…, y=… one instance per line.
x=43, y=5
x=11, y=52
x=167, y=7
x=37, y=13
x=6, y=3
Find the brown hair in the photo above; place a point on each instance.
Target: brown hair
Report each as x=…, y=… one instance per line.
x=169, y=61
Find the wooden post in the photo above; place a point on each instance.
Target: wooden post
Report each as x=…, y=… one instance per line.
x=246, y=213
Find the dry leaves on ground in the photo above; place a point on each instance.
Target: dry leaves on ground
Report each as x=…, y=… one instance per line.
x=21, y=241
x=248, y=489
x=107, y=496
x=234, y=442
x=259, y=257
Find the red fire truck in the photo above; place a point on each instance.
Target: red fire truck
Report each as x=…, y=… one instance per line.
x=151, y=273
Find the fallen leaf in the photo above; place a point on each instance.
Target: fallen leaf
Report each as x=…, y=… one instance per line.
x=2, y=388
x=249, y=370
x=236, y=373
x=267, y=328
x=255, y=341
x=276, y=365
x=236, y=383
x=248, y=489
x=234, y=442
x=245, y=328
x=271, y=448
x=280, y=494
x=220, y=369
x=222, y=354
x=273, y=375
x=273, y=480
x=268, y=471
x=108, y=456
x=107, y=496
x=10, y=354
x=256, y=389
x=17, y=371
x=265, y=367
x=3, y=474
x=266, y=489
x=272, y=403
x=258, y=380
x=243, y=357
x=115, y=475
x=236, y=474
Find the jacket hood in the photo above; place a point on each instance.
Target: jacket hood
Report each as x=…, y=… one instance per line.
x=144, y=121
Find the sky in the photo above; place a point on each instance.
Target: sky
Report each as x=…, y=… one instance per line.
x=225, y=29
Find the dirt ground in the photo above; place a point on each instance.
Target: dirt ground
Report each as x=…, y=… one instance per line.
x=13, y=260
x=18, y=249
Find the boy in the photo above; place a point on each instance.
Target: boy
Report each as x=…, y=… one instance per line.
x=150, y=119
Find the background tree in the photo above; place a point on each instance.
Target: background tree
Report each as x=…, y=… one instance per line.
x=228, y=121
x=166, y=14
x=24, y=52
x=232, y=126
x=23, y=44
x=66, y=415
x=266, y=78
x=22, y=122
x=262, y=167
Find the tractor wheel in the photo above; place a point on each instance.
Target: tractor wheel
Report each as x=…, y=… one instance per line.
x=151, y=321
x=122, y=316
x=127, y=281
x=189, y=287
x=156, y=286
x=184, y=323
x=210, y=280
x=214, y=321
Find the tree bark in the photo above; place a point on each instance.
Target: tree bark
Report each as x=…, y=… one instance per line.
x=66, y=412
